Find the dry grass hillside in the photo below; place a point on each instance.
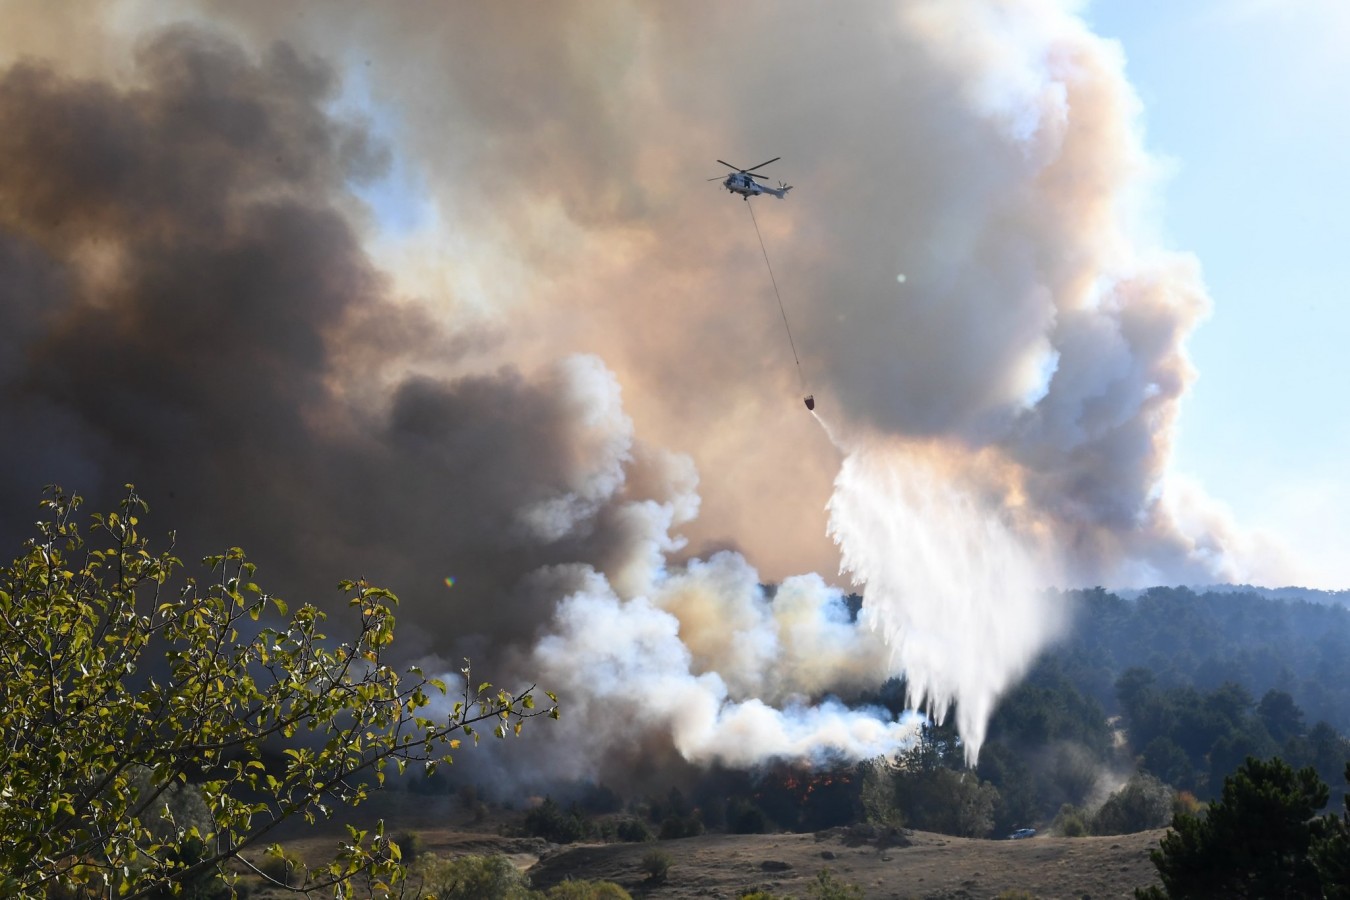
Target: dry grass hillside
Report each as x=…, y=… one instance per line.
x=911, y=865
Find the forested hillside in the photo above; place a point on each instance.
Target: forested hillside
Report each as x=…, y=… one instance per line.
x=1177, y=685
x=1142, y=709
x=1206, y=640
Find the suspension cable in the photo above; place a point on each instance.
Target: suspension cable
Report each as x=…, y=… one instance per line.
x=774, y=281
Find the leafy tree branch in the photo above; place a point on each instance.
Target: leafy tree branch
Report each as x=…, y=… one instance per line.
x=126, y=686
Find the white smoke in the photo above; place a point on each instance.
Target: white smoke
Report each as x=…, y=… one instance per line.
x=738, y=675
x=590, y=399
x=704, y=655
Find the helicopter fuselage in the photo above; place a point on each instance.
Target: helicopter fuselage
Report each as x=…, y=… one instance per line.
x=746, y=186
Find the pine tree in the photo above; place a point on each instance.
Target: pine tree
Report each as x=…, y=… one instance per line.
x=1331, y=852
x=1255, y=841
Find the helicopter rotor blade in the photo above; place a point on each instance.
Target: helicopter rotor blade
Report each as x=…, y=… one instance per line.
x=716, y=178
x=729, y=165
x=760, y=166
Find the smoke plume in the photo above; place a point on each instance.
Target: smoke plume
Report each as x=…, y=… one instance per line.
x=418, y=291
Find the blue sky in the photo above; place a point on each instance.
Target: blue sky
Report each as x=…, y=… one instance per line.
x=1248, y=101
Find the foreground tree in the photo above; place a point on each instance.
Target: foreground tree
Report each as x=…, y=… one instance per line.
x=1331, y=852
x=134, y=715
x=1254, y=841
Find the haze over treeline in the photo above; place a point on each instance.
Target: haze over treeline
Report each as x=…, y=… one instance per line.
x=421, y=292
x=1199, y=681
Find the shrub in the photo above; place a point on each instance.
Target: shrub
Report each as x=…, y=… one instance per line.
x=1071, y=822
x=676, y=827
x=473, y=878
x=632, y=831
x=828, y=887
x=656, y=863
x=1143, y=803
x=1185, y=803
x=744, y=817
x=409, y=845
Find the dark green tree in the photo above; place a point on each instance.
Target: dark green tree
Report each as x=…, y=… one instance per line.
x=1327, y=751
x=1254, y=841
x=1008, y=771
x=1228, y=751
x=1163, y=758
x=1331, y=852
x=943, y=799
x=1281, y=716
x=550, y=822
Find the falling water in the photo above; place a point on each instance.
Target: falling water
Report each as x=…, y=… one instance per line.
x=948, y=584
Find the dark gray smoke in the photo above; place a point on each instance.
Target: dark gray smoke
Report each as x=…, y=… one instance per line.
x=186, y=307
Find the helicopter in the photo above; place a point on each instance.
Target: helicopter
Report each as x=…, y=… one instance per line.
x=742, y=181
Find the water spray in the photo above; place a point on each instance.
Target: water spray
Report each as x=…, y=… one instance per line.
x=949, y=584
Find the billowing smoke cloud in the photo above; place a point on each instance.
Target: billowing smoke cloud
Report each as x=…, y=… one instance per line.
x=193, y=310
x=543, y=356
x=194, y=313
x=709, y=660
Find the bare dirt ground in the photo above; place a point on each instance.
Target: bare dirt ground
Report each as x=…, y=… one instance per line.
x=916, y=865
